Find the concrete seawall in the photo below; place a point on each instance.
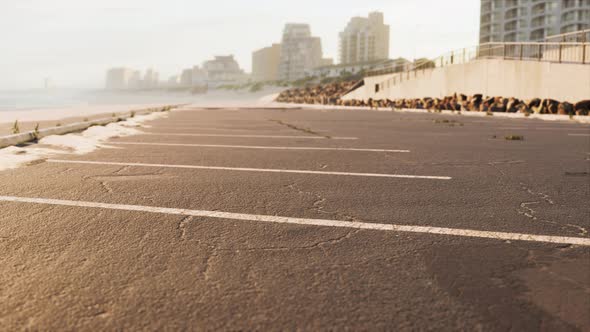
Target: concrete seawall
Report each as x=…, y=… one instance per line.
x=6, y=141
x=491, y=77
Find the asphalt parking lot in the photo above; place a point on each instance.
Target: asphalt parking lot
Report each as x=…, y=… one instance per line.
x=278, y=219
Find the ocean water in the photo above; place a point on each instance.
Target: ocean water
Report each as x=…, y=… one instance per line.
x=54, y=99
x=34, y=100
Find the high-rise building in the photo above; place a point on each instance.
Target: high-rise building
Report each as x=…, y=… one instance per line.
x=135, y=80
x=118, y=78
x=299, y=52
x=151, y=79
x=223, y=68
x=199, y=76
x=531, y=20
x=265, y=63
x=365, y=40
x=186, y=78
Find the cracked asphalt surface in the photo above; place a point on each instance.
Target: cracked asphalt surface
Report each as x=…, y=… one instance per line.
x=87, y=269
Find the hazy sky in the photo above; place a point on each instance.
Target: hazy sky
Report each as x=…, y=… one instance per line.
x=74, y=41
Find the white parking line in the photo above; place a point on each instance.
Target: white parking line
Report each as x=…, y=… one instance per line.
x=583, y=135
x=242, y=169
x=311, y=222
x=259, y=147
x=250, y=136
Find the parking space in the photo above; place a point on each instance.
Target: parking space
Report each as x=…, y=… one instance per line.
x=245, y=219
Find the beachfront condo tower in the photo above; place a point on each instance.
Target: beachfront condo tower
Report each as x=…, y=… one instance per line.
x=365, y=40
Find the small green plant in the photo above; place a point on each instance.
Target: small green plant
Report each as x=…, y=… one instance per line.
x=489, y=113
x=132, y=114
x=58, y=124
x=527, y=114
x=15, y=128
x=571, y=116
x=36, y=135
x=514, y=138
x=85, y=119
x=114, y=115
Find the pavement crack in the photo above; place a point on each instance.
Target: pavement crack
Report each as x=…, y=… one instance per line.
x=106, y=186
x=303, y=130
x=120, y=170
x=181, y=227
x=526, y=209
x=543, y=196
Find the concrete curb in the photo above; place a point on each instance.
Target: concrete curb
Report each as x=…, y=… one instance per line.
x=10, y=140
x=544, y=117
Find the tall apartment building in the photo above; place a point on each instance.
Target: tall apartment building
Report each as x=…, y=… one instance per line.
x=531, y=20
x=223, y=68
x=365, y=40
x=265, y=63
x=118, y=78
x=151, y=79
x=299, y=52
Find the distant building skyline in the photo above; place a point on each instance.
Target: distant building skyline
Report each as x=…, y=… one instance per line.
x=177, y=34
x=122, y=78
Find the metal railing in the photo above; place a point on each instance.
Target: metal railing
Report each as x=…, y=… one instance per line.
x=582, y=36
x=566, y=48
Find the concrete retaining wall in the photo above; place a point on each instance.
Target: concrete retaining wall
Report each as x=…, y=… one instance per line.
x=491, y=77
x=6, y=141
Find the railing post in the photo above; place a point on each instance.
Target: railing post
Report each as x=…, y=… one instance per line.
x=540, y=55
x=504, y=51
x=464, y=60
x=521, y=48
x=560, y=48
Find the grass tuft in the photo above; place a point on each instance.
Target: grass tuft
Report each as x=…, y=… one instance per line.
x=36, y=135
x=15, y=128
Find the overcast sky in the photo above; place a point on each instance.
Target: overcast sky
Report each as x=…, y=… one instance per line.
x=74, y=41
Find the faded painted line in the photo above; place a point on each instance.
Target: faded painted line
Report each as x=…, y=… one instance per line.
x=250, y=136
x=242, y=169
x=582, y=135
x=259, y=147
x=310, y=222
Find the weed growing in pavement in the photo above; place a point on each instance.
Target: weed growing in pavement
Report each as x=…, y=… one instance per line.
x=15, y=128
x=132, y=114
x=514, y=138
x=489, y=113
